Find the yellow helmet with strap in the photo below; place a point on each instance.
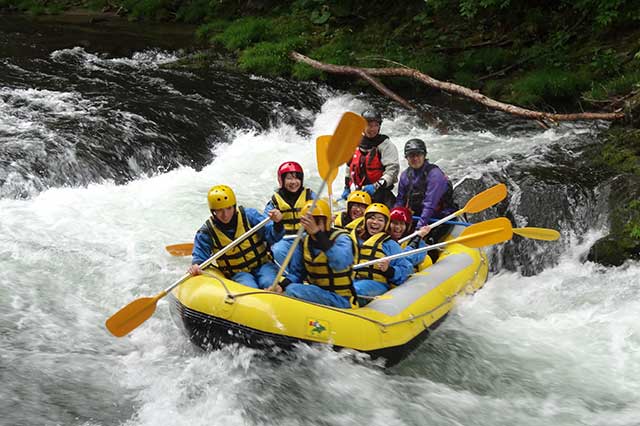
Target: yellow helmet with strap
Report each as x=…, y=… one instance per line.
x=378, y=208
x=321, y=209
x=221, y=197
x=359, y=197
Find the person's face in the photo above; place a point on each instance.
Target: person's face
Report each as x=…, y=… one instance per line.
x=375, y=223
x=225, y=215
x=356, y=210
x=415, y=159
x=372, y=130
x=396, y=229
x=321, y=222
x=291, y=182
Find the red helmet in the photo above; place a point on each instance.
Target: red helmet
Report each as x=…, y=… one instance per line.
x=401, y=213
x=289, y=167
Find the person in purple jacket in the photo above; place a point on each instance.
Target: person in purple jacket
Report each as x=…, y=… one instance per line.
x=425, y=189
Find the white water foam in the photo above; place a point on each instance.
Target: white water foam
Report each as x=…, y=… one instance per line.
x=558, y=348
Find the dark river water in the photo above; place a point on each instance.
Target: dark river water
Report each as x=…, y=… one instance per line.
x=106, y=155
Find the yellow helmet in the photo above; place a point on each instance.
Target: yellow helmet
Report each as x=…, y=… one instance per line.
x=321, y=209
x=221, y=197
x=359, y=197
x=378, y=208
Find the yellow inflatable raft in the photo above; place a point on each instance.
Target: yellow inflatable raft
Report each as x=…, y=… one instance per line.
x=213, y=310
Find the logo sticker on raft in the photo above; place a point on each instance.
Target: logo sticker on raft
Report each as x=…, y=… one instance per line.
x=318, y=328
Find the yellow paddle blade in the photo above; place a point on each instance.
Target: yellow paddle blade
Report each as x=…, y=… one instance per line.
x=132, y=315
x=322, y=158
x=344, y=140
x=486, y=199
x=184, y=249
x=486, y=233
x=545, y=234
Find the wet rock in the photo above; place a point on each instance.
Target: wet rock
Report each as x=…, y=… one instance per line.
x=623, y=242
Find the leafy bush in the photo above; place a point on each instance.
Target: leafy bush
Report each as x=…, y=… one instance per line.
x=548, y=85
x=244, y=32
x=617, y=86
x=269, y=58
x=152, y=9
x=211, y=29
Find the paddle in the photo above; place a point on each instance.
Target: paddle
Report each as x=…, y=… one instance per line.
x=545, y=234
x=339, y=150
x=138, y=311
x=478, y=203
x=183, y=249
x=324, y=169
x=481, y=234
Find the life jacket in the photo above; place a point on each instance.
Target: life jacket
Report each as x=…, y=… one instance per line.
x=291, y=215
x=415, y=194
x=369, y=250
x=246, y=256
x=320, y=273
x=366, y=168
x=343, y=222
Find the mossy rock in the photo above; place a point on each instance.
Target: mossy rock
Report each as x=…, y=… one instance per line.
x=608, y=252
x=624, y=240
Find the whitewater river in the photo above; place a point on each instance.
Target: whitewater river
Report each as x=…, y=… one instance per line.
x=105, y=159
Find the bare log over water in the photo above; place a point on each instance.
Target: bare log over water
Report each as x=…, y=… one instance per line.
x=370, y=75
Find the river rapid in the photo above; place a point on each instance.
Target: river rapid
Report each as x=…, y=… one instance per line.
x=106, y=157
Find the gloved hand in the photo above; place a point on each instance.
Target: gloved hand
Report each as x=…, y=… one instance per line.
x=345, y=194
x=369, y=189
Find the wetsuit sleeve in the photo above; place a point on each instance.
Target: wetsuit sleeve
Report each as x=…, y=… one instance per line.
x=340, y=255
x=402, y=267
x=295, y=271
x=390, y=162
x=201, y=246
x=268, y=207
x=436, y=188
x=269, y=232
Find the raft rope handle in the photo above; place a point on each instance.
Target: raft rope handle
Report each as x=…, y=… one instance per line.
x=224, y=286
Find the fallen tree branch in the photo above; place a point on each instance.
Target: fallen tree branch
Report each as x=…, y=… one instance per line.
x=369, y=74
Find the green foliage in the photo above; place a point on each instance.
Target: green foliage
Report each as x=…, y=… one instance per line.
x=548, y=86
x=485, y=60
x=617, y=86
x=269, y=58
x=193, y=11
x=209, y=30
x=97, y=4
x=36, y=7
x=622, y=151
x=605, y=62
x=470, y=8
x=433, y=64
x=150, y=9
x=632, y=228
x=244, y=32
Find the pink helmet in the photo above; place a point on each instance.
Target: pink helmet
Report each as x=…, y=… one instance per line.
x=402, y=214
x=289, y=167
